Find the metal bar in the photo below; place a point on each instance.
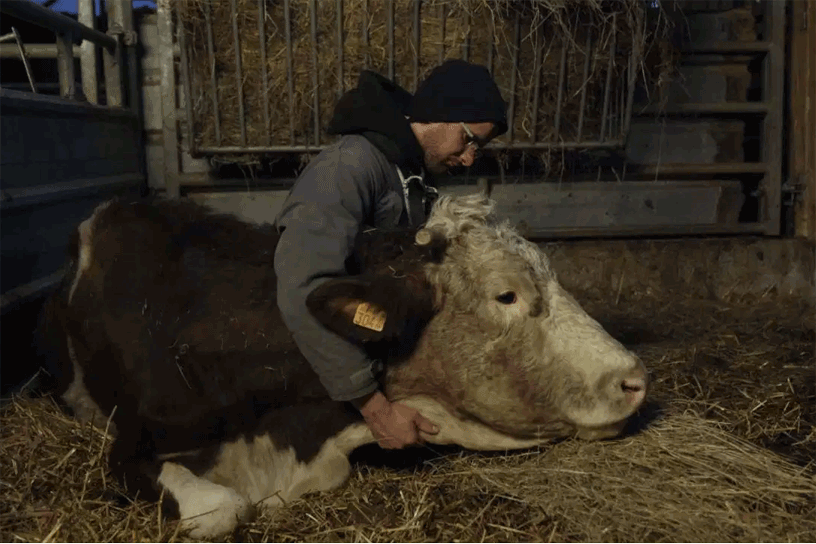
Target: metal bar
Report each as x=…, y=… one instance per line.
x=491, y=49
x=584, y=84
x=417, y=43
x=562, y=69
x=49, y=194
x=714, y=108
x=168, y=91
x=725, y=168
x=239, y=76
x=213, y=80
x=443, y=18
x=112, y=63
x=727, y=48
x=315, y=76
x=14, y=297
x=35, y=50
x=612, y=144
x=516, y=53
x=57, y=23
x=608, y=76
x=125, y=20
x=537, y=88
x=24, y=57
x=290, y=75
x=773, y=89
x=188, y=92
x=366, y=37
x=630, y=91
x=649, y=230
x=264, y=69
x=12, y=100
x=340, y=84
x=7, y=37
x=65, y=64
x=391, y=68
x=466, y=43
x=87, y=58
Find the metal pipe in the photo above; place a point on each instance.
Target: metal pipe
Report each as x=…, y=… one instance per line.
x=611, y=144
x=315, y=76
x=264, y=70
x=537, y=88
x=290, y=76
x=87, y=58
x=57, y=23
x=627, y=120
x=562, y=68
x=169, y=113
x=340, y=85
x=239, y=77
x=24, y=57
x=491, y=47
x=188, y=93
x=213, y=80
x=443, y=17
x=366, y=38
x=417, y=44
x=65, y=65
x=466, y=43
x=584, y=84
x=391, y=69
x=35, y=50
x=608, y=76
x=516, y=48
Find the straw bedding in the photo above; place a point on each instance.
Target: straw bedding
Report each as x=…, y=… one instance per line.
x=547, y=27
x=724, y=452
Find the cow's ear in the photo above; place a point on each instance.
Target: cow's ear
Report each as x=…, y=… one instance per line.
x=371, y=308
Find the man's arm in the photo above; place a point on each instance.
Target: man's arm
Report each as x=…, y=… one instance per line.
x=322, y=218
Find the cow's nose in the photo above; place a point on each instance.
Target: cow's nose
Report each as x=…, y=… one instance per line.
x=634, y=388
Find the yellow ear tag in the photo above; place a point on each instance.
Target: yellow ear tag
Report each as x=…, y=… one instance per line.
x=369, y=317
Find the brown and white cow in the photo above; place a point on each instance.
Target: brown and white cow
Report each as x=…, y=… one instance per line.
x=168, y=320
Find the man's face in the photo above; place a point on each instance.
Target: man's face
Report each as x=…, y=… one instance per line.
x=448, y=145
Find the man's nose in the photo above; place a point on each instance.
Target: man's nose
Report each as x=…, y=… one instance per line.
x=469, y=156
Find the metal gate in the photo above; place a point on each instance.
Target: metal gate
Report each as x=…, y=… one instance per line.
x=675, y=197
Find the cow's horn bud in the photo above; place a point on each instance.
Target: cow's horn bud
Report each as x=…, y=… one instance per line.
x=423, y=237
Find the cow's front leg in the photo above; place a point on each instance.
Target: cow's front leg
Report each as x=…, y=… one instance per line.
x=206, y=509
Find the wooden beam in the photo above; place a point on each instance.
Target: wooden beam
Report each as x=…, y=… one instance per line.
x=802, y=125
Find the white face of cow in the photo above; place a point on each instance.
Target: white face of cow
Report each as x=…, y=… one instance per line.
x=510, y=352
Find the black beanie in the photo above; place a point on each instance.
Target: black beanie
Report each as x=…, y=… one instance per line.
x=459, y=91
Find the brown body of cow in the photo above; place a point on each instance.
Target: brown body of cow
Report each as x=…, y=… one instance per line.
x=168, y=320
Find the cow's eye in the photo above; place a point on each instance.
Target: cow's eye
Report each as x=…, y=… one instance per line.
x=507, y=298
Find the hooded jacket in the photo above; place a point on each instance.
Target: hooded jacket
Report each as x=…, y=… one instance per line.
x=373, y=176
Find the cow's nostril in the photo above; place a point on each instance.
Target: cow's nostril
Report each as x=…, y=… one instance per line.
x=634, y=389
x=633, y=385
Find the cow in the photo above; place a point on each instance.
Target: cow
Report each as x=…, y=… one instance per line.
x=166, y=331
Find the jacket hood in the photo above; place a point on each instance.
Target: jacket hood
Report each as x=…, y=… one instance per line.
x=376, y=109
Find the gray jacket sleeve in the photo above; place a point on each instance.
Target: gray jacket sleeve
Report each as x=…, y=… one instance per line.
x=322, y=216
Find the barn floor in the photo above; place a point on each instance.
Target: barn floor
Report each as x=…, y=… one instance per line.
x=725, y=451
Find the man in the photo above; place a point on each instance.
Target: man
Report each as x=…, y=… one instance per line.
x=374, y=176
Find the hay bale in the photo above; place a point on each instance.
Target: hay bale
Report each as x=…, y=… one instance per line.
x=547, y=27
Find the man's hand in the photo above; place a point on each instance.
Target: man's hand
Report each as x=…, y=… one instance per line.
x=394, y=425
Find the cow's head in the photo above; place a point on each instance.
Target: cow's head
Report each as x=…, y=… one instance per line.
x=505, y=357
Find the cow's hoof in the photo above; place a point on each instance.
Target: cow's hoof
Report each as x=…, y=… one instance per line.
x=215, y=513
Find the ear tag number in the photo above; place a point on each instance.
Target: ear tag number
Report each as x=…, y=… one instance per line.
x=369, y=317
